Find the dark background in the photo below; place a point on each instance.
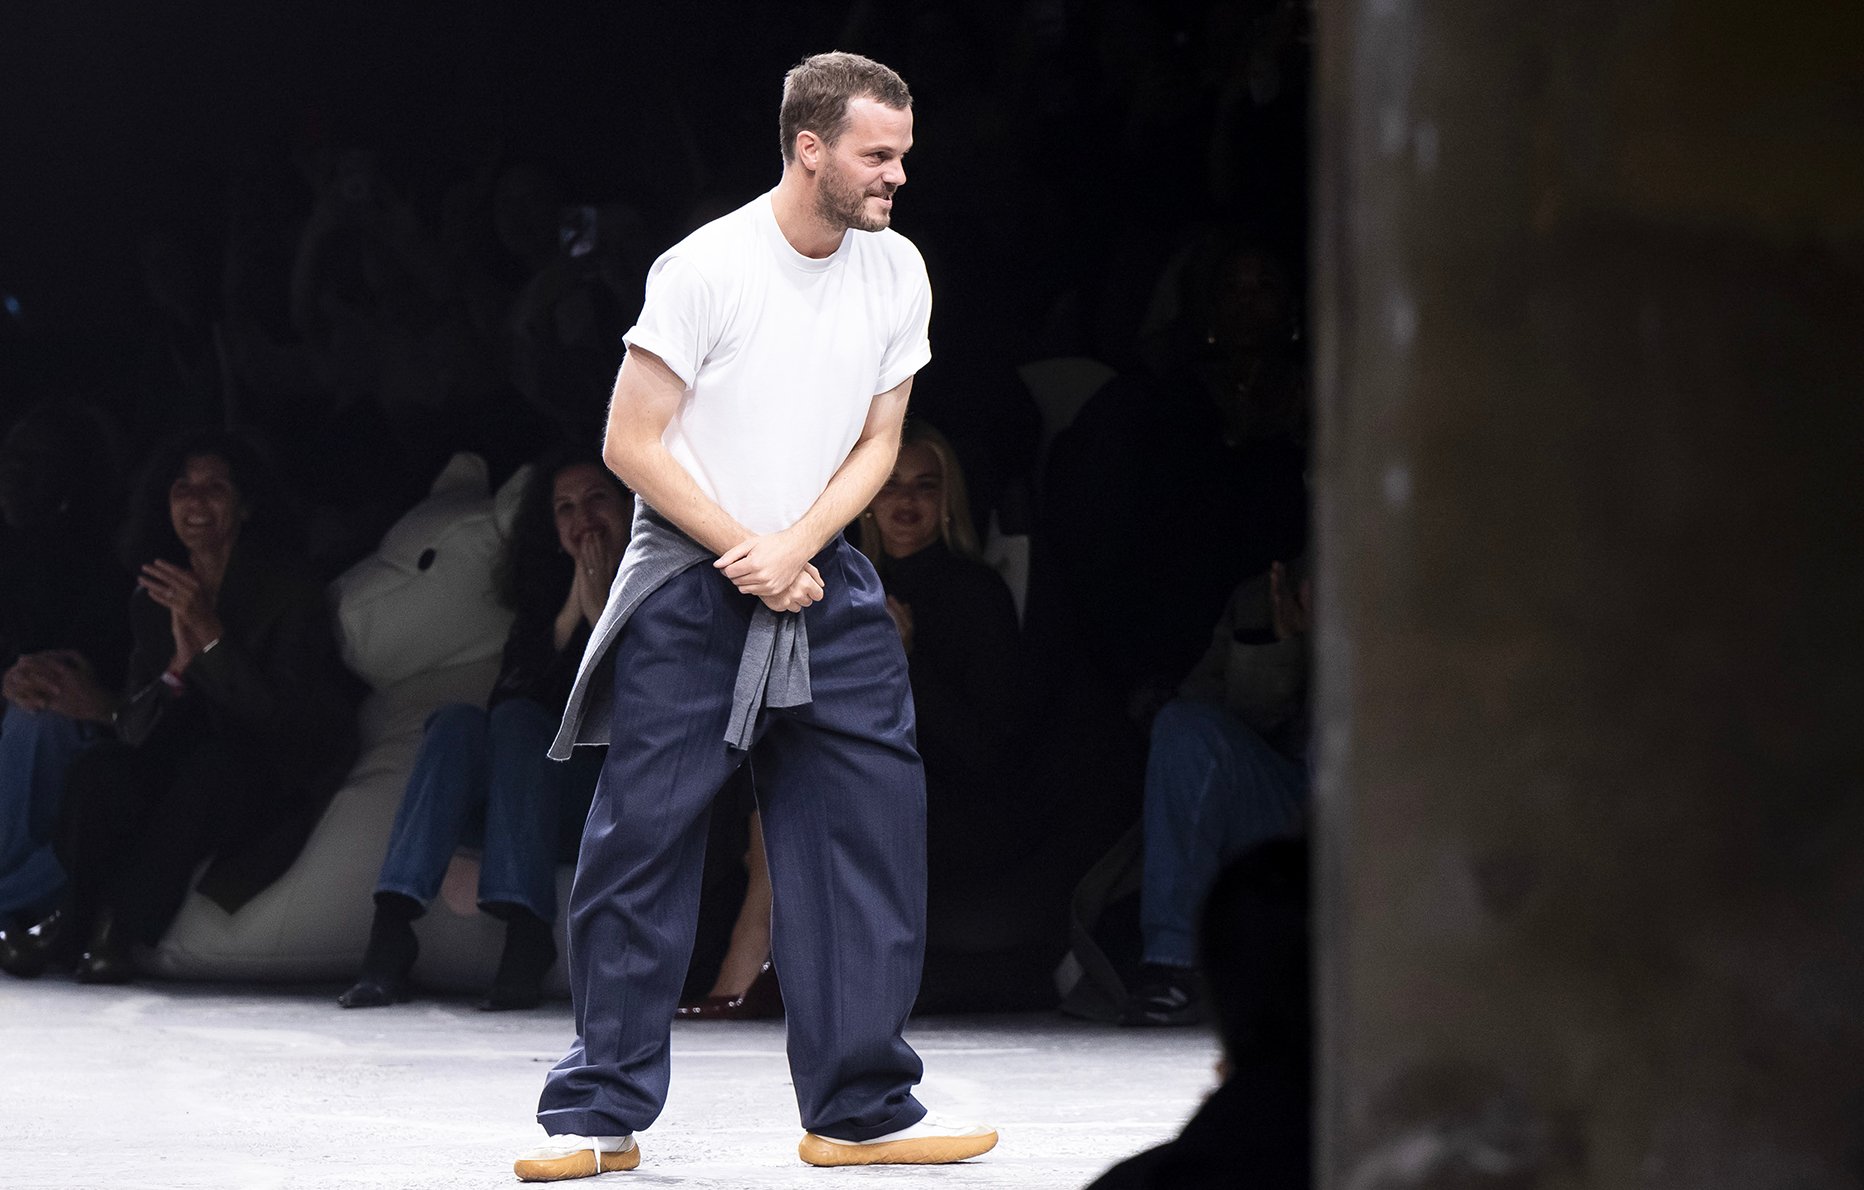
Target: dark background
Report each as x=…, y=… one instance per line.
x=1064, y=149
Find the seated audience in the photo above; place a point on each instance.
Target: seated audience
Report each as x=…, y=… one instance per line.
x=235, y=728
x=61, y=621
x=1256, y=1128
x=1227, y=770
x=482, y=775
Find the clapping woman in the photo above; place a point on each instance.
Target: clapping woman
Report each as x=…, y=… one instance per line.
x=236, y=726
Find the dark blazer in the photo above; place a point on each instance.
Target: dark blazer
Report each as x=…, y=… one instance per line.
x=275, y=682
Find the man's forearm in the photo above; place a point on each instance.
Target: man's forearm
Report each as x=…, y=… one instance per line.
x=657, y=477
x=851, y=489
x=860, y=476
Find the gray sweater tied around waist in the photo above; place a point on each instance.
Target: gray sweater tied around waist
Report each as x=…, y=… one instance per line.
x=774, y=671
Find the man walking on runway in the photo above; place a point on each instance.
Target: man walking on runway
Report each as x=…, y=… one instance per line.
x=758, y=410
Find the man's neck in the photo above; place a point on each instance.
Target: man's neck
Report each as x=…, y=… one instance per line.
x=794, y=206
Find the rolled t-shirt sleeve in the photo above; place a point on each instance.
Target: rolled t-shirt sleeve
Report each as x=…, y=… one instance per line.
x=676, y=321
x=910, y=349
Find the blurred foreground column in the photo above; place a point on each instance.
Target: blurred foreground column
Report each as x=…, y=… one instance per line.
x=1591, y=806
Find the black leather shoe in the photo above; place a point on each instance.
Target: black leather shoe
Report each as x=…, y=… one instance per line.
x=529, y=953
x=388, y=961
x=27, y=951
x=18, y=956
x=106, y=955
x=371, y=993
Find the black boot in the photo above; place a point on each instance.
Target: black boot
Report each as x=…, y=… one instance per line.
x=28, y=949
x=530, y=951
x=390, y=956
x=106, y=954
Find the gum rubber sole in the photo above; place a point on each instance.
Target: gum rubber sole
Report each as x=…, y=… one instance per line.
x=579, y=1164
x=920, y=1150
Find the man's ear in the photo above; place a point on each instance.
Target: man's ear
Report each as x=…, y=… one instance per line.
x=809, y=148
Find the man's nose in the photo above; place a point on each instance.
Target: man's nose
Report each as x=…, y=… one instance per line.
x=895, y=174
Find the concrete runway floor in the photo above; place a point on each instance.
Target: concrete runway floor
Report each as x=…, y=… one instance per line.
x=180, y=1086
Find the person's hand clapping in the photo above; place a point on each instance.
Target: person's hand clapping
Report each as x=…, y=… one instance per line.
x=190, y=607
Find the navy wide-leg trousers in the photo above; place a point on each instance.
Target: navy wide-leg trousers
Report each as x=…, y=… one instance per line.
x=843, y=799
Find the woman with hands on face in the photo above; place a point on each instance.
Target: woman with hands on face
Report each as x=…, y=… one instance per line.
x=234, y=726
x=590, y=513
x=482, y=774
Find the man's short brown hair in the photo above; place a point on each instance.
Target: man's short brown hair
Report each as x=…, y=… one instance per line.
x=816, y=92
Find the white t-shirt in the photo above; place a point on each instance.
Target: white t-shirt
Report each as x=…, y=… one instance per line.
x=782, y=355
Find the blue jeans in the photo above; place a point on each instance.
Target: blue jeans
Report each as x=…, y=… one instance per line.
x=484, y=776
x=36, y=751
x=1214, y=788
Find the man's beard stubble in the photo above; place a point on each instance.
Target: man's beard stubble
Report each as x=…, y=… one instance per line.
x=840, y=204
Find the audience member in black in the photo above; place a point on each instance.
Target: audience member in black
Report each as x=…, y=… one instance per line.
x=1169, y=488
x=1255, y=1130
x=235, y=727
x=970, y=693
x=482, y=775
x=62, y=633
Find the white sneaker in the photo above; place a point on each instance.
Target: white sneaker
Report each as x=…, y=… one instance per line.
x=569, y=1156
x=932, y=1141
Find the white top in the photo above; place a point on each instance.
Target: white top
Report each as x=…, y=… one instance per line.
x=781, y=355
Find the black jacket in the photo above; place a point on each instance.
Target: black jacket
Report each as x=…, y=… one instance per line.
x=275, y=682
